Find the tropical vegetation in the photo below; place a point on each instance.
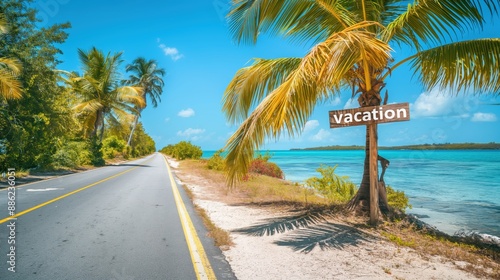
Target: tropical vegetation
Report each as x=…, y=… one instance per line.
x=146, y=75
x=337, y=189
x=50, y=118
x=352, y=51
x=183, y=150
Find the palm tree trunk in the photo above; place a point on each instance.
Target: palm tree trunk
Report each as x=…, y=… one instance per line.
x=97, y=122
x=362, y=201
x=136, y=120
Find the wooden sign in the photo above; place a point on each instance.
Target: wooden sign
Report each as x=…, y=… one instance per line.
x=370, y=115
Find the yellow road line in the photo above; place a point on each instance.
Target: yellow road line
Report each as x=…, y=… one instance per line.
x=63, y=196
x=199, y=258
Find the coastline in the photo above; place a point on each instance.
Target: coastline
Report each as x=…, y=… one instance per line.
x=304, y=253
x=440, y=193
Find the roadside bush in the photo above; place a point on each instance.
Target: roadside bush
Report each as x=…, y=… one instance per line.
x=397, y=199
x=168, y=150
x=216, y=162
x=113, y=147
x=183, y=150
x=337, y=189
x=71, y=154
x=262, y=165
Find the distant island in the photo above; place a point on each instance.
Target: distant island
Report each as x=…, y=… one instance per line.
x=446, y=146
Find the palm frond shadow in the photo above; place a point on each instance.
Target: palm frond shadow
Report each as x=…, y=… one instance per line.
x=283, y=224
x=326, y=236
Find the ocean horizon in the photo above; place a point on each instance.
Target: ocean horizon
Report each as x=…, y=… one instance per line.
x=453, y=190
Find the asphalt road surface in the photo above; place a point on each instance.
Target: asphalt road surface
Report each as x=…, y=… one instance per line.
x=117, y=222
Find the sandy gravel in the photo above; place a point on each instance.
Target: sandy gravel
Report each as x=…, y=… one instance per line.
x=329, y=250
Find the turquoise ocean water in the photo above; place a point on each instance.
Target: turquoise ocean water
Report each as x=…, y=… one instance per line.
x=452, y=190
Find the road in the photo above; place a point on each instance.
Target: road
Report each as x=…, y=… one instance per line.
x=117, y=222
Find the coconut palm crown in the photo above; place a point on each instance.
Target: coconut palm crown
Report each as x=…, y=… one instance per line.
x=352, y=53
x=147, y=75
x=101, y=98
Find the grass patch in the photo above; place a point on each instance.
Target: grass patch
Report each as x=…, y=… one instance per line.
x=482, y=261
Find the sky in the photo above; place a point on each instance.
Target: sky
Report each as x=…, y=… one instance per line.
x=192, y=42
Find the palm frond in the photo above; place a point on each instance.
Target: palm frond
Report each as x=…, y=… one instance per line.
x=146, y=74
x=12, y=65
x=434, y=22
x=463, y=66
x=10, y=86
x=132, y=95
x=88, y=107
x=3, y=24
x=323, y=71
x=302, y=19
x=251, y=84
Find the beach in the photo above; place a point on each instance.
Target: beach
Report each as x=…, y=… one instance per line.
x=328, y=250
x=451, y=190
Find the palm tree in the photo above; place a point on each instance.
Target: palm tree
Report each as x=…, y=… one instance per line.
x=10, y=87
x=351, y=51
x=149, y=77
x=101, y=98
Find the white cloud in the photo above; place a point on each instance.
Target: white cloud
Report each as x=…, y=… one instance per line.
x=336, y=101
x=351, y=103
x=310, y=125
x=484, y=117
x=322, y=135
x=432, y=104
x=172, y=52
x=190, y=132
x=186, y=113
x=443, y=104
x=167, y=120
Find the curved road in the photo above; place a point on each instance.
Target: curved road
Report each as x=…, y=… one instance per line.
x=117, y=222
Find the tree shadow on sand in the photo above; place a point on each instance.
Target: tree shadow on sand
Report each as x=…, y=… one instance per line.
x=283, y=224
x=311, y=229
x=326, y=236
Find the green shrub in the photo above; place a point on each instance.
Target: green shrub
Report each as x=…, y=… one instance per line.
x=168, y=150
x=216, y=162
x=183, y=150
x=113, y=147
x=71, y=154
x=337, y=189
x=397, y=199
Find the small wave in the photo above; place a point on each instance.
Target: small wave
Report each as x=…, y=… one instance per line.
x=479, y=237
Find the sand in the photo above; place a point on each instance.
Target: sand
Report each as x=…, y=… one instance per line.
x=329, y=250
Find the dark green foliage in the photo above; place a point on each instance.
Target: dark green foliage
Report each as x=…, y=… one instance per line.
x=32, y=125
x=142, y=144
x=183, y=150
x=39, y=130
x=71, y=154
x=337, y=189
x=96, y=156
